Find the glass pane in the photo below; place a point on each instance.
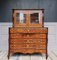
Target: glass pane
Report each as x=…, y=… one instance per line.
x=20, y=18
x=34, y=18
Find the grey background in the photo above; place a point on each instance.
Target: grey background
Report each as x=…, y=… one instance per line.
x=50, y=7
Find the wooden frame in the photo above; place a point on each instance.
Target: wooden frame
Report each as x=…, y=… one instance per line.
x=28, y=34
x=28, y=12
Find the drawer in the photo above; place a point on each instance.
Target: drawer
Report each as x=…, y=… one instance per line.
x=28, y=30
x=29, y=51
x=28, y=35
x=18, y=46
x=41, y=46
x=40, y=51
x=28, y=46
x=19, y=41
x=22, y=50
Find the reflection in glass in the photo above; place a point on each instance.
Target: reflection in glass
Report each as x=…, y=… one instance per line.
x=34, y=18
x=20, y=18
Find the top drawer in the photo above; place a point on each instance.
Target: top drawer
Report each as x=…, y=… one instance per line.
x=28, y=30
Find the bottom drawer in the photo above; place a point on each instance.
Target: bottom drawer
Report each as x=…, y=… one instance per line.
x=29, y=51
x=28, y=46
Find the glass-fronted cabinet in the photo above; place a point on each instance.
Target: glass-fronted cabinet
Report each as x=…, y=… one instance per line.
x=20, y=18
x=34, y=18
x=28, y=17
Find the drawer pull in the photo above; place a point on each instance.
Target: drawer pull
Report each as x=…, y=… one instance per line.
x=27, y=40
x=27, y=46
x=28, y=35
x=28, y=30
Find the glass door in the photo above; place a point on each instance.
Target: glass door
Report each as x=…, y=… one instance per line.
x=36, y=18
x=28, y=18
x=20, y=18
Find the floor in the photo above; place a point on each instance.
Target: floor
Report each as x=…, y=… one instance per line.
x=51, y=56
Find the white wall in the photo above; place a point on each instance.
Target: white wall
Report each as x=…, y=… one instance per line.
x=52, y=35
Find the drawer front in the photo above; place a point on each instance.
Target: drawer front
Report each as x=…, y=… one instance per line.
x=28, y=35
x=25, y=51
x=29, y=51
x=18, y=46
x=30, y=45
x=28, y=30
x=21, y=41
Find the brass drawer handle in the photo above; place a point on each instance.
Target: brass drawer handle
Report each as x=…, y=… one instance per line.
x=27, y=46
x=27, y=40
x=28, y=30
x=28, y=35
x=30, y=41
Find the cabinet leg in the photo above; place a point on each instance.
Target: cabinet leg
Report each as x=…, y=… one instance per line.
x=46, y=56
x=8, y=55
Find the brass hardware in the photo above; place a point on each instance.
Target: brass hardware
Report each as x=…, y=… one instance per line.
x=27, y=46
x=28, y=35
x=27, y=40
x=28, y=30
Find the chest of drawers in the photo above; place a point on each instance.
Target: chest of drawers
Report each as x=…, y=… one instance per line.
x=28, y=39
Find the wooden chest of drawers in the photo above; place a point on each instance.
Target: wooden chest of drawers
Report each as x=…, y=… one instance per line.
x=27, y=38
